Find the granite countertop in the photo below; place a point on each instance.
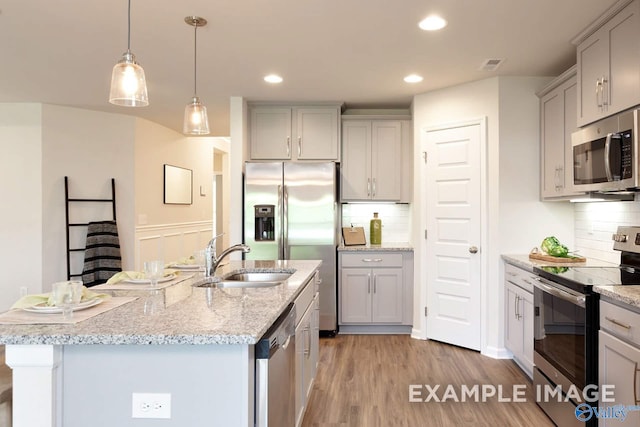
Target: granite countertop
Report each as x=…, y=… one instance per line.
x=384, y=247
x=524, y=262
x=184, y=314
x=627, y=294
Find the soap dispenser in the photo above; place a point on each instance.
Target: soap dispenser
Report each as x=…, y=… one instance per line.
x=375, y=230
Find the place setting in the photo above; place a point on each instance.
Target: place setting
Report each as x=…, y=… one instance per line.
x=155, y=275
x=68, y=302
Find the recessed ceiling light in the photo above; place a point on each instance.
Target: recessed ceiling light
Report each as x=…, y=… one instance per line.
x=432, y=23
x=413, y=78
x=273, y=78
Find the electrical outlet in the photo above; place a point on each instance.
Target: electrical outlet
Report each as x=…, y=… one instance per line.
x=151, y=405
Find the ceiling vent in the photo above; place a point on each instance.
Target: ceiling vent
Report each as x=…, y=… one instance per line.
x=491, y=64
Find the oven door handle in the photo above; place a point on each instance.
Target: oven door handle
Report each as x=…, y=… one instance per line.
x=578, y=300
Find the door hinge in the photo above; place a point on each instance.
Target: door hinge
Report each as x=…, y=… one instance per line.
x=424, y=156
x=425, y=234
x=426, y=311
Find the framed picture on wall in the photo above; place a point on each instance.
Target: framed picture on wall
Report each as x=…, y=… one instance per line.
x=178, y=185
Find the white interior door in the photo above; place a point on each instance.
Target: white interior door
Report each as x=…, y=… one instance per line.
x=452, y=190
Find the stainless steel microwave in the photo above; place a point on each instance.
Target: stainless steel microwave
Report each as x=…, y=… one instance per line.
x=605, y=154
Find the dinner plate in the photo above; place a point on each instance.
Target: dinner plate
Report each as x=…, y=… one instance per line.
x=148, y=281
x=45, y=309
x=186, y=266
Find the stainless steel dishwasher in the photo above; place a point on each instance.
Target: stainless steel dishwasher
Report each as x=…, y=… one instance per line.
x=275, y=373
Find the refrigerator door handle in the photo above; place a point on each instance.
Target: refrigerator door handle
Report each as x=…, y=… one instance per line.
x=285, y=221
x=279, y=210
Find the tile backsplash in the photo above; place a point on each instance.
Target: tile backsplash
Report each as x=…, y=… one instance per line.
x=596, y=222
x=396, y=219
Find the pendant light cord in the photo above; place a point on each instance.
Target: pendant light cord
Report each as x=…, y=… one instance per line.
x=195, y=59
x=129, y=28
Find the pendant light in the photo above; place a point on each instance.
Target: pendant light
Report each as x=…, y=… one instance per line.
x=195, y=113
x=128, y=85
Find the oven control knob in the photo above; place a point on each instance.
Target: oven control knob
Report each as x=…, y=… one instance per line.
x=621, y=238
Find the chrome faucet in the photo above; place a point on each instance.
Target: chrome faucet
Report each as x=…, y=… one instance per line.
x=212, y=260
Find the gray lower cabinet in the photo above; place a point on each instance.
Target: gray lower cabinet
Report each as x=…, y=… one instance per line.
x=307, y=345
x=375, y=288
x=519, y=316
x=619, y=359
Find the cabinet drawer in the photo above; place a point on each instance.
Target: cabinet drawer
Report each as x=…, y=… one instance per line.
x=304, y=299
x=519, y=277
x=620, y=322
x=372, y=259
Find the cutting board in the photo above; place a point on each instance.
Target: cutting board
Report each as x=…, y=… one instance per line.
x=549, y=258
x=353, y=236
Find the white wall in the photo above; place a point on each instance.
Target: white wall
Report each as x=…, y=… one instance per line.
x=513, y=217
x=90, y=148
x=20, y=192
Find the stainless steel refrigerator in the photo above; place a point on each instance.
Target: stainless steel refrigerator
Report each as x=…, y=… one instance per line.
x=290, y=212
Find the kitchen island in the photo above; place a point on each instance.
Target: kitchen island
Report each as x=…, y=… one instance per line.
x=196, y=344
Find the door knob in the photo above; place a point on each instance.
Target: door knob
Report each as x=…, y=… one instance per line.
x=473, y=249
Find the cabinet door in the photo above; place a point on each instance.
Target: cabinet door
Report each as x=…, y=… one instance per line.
x=387, y=294
x=513, y=325
x=386, y=160
x=618, y=365
x=355, y=295
x=527, y=313
x=315, y=335
x=623, y=32
x=270, y=133
x=558, y=121
x=552, y=117
x=356, y=160
x=593, y=65
x=317, y=134
x=303, y=369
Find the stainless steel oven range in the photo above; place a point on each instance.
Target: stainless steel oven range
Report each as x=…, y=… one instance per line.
x=566, y=323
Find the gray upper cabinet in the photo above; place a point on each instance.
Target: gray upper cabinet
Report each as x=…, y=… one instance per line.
x=372, y=159
x=294, y=133
x=608, y=63
x=557, y=123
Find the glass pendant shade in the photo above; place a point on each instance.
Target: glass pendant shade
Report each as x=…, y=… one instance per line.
x=195, y=118
x=128, y=85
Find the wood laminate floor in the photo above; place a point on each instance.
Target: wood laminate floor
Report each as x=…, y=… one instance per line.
x=364, y=380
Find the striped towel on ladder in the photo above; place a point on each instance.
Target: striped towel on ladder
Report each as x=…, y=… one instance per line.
x=102, y=254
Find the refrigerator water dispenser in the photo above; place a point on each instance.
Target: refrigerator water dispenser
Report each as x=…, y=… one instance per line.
x=265, y=222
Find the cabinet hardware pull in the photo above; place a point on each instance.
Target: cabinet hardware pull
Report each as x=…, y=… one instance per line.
x=369, y=283
x=288, y=146
x=368, y=187
x=511, y=273
x=635, y=384
x=605, y=93
x=616, y=322
x=598, y=92
x=516, y=307
x=299, y=146
x=307, y=335
x=371, y=259
x=527, y=282
x=374, y=187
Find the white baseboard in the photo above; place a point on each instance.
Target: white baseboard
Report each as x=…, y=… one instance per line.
x=497, y=352
x=417, y=334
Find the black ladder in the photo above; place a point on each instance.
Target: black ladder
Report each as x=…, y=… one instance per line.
x=68, y=202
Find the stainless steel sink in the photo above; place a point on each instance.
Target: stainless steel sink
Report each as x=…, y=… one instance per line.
x=258, y=277
x=244, y=280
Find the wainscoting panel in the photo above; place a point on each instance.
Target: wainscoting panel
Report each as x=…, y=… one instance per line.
x=170, y=242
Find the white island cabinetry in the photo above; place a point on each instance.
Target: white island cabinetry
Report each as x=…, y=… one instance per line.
x=198, y=347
